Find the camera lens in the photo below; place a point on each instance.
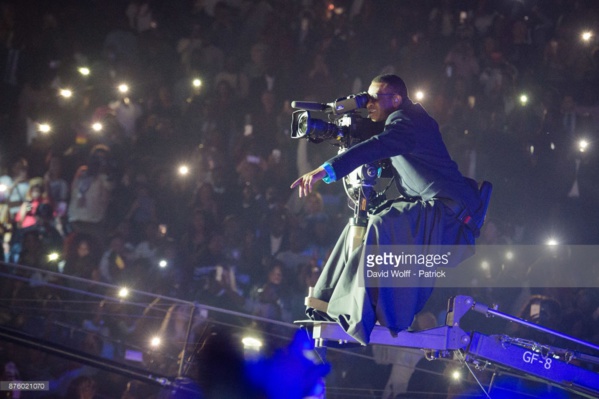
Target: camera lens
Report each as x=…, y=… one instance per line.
x=315, y=130
x=302, y=123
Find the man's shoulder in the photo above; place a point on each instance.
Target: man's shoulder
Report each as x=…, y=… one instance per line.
x=407, y=112
x=396, y=117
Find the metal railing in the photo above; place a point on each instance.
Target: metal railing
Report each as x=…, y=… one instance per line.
x=133, y=328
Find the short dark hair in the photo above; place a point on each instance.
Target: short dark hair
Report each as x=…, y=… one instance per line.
x=395, y=82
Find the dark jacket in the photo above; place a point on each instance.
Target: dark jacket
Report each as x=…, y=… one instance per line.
x=421, y=164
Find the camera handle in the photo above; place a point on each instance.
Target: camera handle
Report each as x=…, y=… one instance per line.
x=367, y=176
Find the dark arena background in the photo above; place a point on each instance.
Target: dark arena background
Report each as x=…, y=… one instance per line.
x=152, y=247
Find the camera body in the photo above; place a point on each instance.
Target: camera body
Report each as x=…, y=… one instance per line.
x=345, y=130
x=345, y=126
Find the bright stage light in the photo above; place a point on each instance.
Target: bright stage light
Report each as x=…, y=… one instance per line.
x=84, y=71
x=155, y=342
x=44, y=127
x=183, y=170
x=66, y=93
x=456, y=375
x=97, y=127
x=251, y=343
x=123, y=88
x=123, y=292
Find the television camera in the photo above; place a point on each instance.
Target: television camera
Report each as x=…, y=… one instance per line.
x=345, y=127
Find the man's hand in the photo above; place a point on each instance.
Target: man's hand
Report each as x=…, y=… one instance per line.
x=306, y=182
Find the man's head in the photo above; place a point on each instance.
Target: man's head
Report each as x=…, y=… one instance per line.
x=387, y=93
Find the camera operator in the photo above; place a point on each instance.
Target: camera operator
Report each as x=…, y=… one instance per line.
x=433, y=193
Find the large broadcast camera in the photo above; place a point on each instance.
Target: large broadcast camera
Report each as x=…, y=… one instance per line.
x=345, y=127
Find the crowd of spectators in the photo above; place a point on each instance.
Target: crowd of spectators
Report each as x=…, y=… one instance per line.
x=148, y=143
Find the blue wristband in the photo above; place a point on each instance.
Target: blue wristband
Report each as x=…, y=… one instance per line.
x=331, y=177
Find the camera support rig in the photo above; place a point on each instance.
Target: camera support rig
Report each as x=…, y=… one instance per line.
x=364, y=194
x=564, y=368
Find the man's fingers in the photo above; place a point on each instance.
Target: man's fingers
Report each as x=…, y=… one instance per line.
x=308, y=185
x=305, y=183
x=301, y=183
x=296, y=183
x=302, y=189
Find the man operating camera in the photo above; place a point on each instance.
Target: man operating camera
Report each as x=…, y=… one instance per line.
x=437, y=206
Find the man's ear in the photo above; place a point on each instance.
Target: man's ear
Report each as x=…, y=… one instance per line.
x=397, y=100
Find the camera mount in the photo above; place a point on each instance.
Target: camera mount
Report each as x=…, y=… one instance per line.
x=362, y=192
x=569, y=369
